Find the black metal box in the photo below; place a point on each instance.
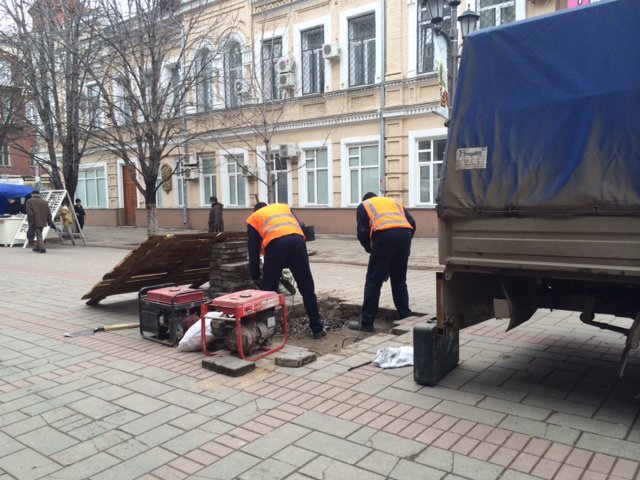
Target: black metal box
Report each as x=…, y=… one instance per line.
x=434, y=354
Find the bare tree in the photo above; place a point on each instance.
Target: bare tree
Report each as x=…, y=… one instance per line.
x=50, y=43
x=157, y=59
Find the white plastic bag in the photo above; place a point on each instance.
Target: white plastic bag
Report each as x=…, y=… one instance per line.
x=192, y=340
x=394, y=357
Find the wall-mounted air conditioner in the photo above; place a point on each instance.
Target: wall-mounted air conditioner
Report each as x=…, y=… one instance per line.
x=288, y=151
x=330, y=51
x=287, y=80
x=190, y=174
x=285, y=65
x=242, y=87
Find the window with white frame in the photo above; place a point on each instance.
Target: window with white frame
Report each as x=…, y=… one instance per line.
x=204, y=81
x=159, y=190
x=180, y=183
x=279, y=172
x=426, y=48
x=93, y=105
x=122, y=101
x=148, y=99
x=92, y=187
x=237, y=182
x=312, y=61
x=5, y=73
x=317, y=170
x=495, y=12
x=271, y=52
x=362, y=50
x=232, y=73
x=173, y=90
x=4, y=154
x=208, y=164
x=430, y=158
x=364, y=171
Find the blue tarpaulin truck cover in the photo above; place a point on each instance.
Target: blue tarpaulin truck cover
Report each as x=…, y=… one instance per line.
x=546, y=117
x=8, y=191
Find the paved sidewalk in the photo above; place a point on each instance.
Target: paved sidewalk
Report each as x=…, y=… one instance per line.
x=539, y=402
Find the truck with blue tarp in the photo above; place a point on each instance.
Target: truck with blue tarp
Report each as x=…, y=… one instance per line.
x=539, y=199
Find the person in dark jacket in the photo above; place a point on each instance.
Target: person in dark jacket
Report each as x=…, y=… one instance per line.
x=38, y=215
x=276, y=231
x=385, y=230
x=216, y=222
x=13, y=207
x=80, y=213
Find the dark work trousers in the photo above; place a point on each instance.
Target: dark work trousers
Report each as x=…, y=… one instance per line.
x=390, y=251
x=291, y=252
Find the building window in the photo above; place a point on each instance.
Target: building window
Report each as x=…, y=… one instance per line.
x=93, y=105
x=279, y=172
x=363, y=171
x=237, y=182
x=174, y=90
x=495, y=12
x=232, y=73
x=92, y=187
x=204, y=81
x=317, y=176
x=430, y=158
x=362, y=50
x=122, y=102
x=5, y=73
x=426, y=48
x=180, y=182
x=159, y=190
x=148, y=100
x=4, y=154
x=209, y=176
x=271, y=52
x=312, y=61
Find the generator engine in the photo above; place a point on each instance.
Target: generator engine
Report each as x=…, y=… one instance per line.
x=247, y=321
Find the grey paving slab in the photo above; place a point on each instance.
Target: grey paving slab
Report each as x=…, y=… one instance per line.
x=333, y=447
x=325, y=468
x=379, y=462
x=407, y=469
x=189, y=441
x=268, y=469
x=295, y=455
x=27, y=464
x=276, y=440
x=468, y=412
x=327, y=424
x=610, y=446
x=88, y=467
x=139, y=403
x=159, y=417
x=137, y=466
x=46, y=440
x=248, y=411
x=230, y=467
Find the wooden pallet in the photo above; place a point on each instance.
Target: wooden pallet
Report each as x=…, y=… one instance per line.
x=182, y=259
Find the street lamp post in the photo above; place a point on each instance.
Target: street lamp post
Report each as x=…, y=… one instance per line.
x=468, y=23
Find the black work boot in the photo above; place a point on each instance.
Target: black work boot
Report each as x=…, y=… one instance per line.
x=358, y=325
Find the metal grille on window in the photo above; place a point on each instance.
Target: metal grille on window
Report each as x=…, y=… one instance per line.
x=271, y=52
x=362, y=50
x=233, y=72
x=93, y=104
x=174, y=90
x=204, y=81
x=496, y=12
x=312, y=61
x=279, y=175
x=426, y=55
x=4, y=154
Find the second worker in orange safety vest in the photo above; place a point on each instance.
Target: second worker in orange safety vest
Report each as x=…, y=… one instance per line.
x=385, y=230
x=276, y=231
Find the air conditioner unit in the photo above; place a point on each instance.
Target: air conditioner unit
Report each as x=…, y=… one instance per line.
x=242, y=87
x=285, y=65
x=288, y=151
x=191, y=162
x=330, y=51
x=287, y=80
x=249, y=171
x=190, y=174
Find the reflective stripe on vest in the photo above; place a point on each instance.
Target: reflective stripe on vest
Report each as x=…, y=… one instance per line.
x=384, y=214
x=274, y=221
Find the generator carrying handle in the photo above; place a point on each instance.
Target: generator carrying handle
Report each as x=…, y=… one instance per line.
x=175, y=298
x=144, y=290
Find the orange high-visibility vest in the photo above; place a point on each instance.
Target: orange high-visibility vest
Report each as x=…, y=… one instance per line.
x=274, y=221
x=385, y=213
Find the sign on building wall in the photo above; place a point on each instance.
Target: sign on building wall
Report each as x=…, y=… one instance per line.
x=579, y=3
x=440, y=56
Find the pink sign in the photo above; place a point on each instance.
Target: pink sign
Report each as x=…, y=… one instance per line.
x=579, y=3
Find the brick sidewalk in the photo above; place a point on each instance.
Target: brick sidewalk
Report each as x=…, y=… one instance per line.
x=541, y=401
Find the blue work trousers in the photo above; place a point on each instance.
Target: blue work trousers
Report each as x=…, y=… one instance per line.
x=390, y=250
x=291, y=252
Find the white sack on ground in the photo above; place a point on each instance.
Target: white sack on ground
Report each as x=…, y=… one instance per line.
x=394, y=357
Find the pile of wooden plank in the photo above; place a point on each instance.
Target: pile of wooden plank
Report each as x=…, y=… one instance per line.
x=229, y=268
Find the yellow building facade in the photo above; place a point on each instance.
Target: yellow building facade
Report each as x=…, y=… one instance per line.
x=350, y=91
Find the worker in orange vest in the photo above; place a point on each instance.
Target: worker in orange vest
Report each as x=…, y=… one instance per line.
x=276, y=231
x=385, y=230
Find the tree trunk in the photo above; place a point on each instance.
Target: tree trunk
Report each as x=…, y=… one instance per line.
x=152, y=219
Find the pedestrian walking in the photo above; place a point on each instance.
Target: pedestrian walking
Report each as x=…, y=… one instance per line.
x=277, y=232
x=216, y=222
x=38, y=216
x=80, y=213
x=385, y=230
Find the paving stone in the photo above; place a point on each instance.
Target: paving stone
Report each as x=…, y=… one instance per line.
x=228, y=365
x=249, y=411
x=476, y=469
x=88, y=467
x=515, y=475
x=407, y=469
x=142, y=404
x=540, y=429
x=27, y=464
x=610, y=446
x=295, y=455
x=229, y=467
x=95, y=408
x=394, y=445
x=589, y=425
x=189, y=441
x=379, y=462
x=333, y=447
x=268, y=469
x=153, y=420
x=271, y=443
x=215, y=409
x=468, y=412
x=512, y=408
x=137, y=466
x=295, y=359
x=46, y=440
x=327, y=424
x=8, y=445
x=323, y=468
x=91, y=447
x=106, y=391
x=408, y=398
x=19, y=427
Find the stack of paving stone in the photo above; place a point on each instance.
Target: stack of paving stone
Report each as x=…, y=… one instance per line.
x=229, y=268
